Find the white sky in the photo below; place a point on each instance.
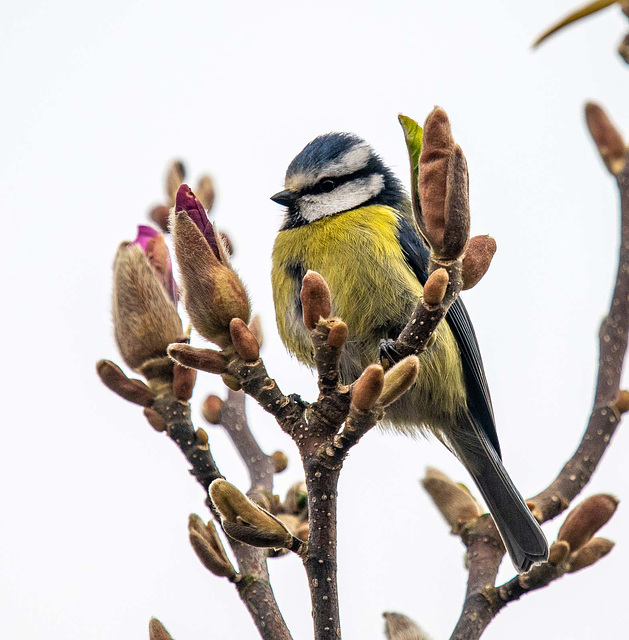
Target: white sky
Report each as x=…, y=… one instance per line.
x=98, y=98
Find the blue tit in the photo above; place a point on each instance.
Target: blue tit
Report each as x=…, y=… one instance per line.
x=349, y=218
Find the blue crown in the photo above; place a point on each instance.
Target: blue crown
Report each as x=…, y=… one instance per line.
x=321, y=151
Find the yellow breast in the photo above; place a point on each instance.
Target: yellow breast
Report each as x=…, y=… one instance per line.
x=359, y=256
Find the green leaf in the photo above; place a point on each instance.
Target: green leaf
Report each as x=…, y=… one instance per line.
x=413, y=134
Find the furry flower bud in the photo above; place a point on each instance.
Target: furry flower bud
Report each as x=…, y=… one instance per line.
x=280, y=461
x=592, y=552
x=558, y=552
x=206, y=193
x=244, y=341
x=455, y=503
x=160, y=214
x=157, y=631
x=195, y=358
x=130, y=389
x=154, y=246
x=478, y=255
x=608, y=140
x=208, y=546
x=183, y=382
x=368, y=387
x=397, y=626
x=399, y=379
x=443, y=188
x=145, y=318
x=211, y=409
x=175, y=175
x=586, y=519
x=315, y=299
x=213, y=293
x=255, y=326
x=436, y=286
x=296, y=500
x=244, y=520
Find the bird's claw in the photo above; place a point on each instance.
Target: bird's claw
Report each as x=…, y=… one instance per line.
x=297, y=399
x=388, y=353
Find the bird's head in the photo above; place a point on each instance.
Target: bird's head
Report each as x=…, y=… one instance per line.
x=336, y=172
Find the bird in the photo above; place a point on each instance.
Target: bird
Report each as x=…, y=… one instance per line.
x=348, y=217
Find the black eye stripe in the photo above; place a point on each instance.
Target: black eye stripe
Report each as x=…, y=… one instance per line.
x=322, y=187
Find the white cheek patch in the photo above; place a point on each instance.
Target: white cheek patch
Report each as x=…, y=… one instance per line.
x=346, y=196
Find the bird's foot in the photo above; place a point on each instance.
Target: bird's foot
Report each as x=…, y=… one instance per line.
x=388, y=353
x=297, y=399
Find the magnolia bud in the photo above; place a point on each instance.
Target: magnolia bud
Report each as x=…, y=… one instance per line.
x=205, y=192
x=400, y=627
x=399, y=379
x=231, y=382
x=155, y=419
x=130, y=389
x=303, y=530
x=457, y=210
x=558, y=552
x=160, y=215
x=478, y=255
x=202, y=359
x=183, y=382
x=367, y=389
x=208, y=546
x=437, y=146
x=436, y=286
x=213, y=293
x=157, y=631
x=255, y=326
x=175, y=175
x=212, y=409
x=456, y=504
x=145, y=318
x=156, y=251
x=586, y=519
x=337, y=335
x=593, y=551
x=621, y=403
x=606, y=137
x=296, y=498
x=280, y=461
x=245, y=521
x=315, y=299
x=244, y=341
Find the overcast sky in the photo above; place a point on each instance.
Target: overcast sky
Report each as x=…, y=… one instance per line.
x=98, y=99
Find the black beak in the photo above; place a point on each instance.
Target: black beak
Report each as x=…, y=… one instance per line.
x=285, y=198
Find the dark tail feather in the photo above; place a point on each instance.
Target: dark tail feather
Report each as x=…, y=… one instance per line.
x=520, y=531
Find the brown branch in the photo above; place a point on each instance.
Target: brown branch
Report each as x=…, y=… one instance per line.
x=255, y=381
x=254, y=587
x=179, y=427
x=234, y=420
x=483, y=600
x=311, y=427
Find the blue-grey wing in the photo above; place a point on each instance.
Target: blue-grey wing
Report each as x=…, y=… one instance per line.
x=478, y=398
